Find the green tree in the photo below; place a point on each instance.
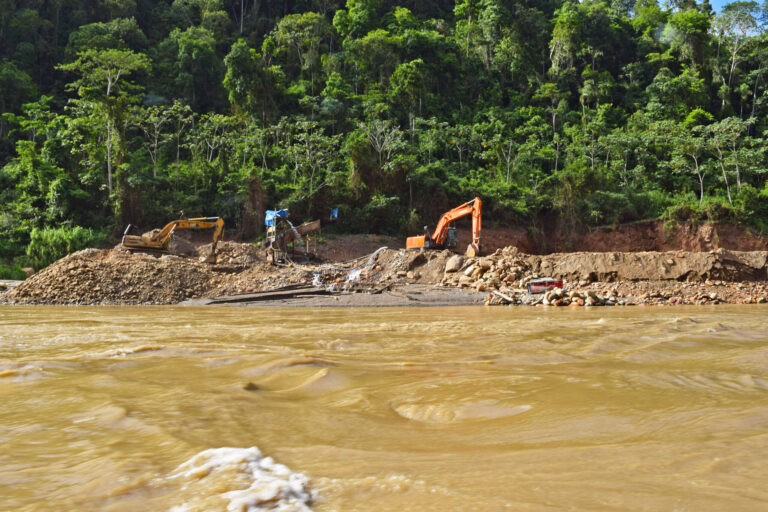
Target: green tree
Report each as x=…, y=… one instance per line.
x=733, y=27
x=189, y=68
x=302, y=35
x=407, y=86
x=251, y=87
x=152, y=121
x=690, y=153
x=311, y=156
x=104, y=86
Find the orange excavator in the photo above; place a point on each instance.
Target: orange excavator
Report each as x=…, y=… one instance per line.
x=445, y=237
x=158, y=240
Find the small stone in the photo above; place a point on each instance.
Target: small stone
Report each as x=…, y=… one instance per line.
x=485, y=263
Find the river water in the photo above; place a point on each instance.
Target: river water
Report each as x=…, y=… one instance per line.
x=465, y=408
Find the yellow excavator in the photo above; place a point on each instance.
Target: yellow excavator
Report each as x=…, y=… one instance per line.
x=158, y=240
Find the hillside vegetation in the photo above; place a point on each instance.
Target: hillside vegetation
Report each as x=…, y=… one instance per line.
x=582, y=113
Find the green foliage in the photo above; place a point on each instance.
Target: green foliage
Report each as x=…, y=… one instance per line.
x=379, y=213
x=13, y=272
x=689, y=209
x=584, y=113
x=50, y=244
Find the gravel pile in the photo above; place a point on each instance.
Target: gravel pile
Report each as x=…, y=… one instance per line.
x=115, y=277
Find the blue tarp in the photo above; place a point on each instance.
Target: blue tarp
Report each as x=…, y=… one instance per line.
x=271, y=216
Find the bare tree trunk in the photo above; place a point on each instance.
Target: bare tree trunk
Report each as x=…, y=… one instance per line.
x=109, y=156
x=253, y=210
x=725, y=176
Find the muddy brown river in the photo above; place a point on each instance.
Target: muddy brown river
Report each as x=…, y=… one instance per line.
x=389, y=409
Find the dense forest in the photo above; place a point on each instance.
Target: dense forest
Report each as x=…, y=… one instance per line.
x=581, y=114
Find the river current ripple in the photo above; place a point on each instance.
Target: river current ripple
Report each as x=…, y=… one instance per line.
x=466, y=408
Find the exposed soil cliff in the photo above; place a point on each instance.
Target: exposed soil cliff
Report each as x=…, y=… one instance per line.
x=641, y=236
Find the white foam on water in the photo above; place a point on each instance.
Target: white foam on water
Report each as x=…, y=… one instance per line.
x=243, y=479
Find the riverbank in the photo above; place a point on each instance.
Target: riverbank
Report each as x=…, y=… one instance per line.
x=399, y=277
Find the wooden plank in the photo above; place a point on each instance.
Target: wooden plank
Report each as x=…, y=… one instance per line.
x=278, y=294
x=504, y=296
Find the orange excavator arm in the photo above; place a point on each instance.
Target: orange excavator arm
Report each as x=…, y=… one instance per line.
x=438, y=238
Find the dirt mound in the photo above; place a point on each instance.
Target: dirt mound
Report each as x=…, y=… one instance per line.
x=649, y=266
x=119, y=277
x=261, y=277
x=115, y=277
x=635, y=278
x=347, y=247
x=493, y=239
x=508, y=266
x=233, y=253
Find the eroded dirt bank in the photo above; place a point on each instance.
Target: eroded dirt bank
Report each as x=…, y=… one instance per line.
x=652, y=235
x=594, y=278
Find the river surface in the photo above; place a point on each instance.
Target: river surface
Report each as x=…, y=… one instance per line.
x=447, y=409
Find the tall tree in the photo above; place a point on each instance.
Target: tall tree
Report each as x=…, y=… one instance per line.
x=104, y=85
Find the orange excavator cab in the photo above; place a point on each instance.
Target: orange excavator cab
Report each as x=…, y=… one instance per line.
x=445, y=235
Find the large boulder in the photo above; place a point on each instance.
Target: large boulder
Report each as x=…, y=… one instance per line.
x=454, y=263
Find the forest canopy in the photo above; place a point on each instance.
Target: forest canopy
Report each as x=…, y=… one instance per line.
x=583, y=113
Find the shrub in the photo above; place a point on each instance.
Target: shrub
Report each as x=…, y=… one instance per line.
x=753, y=207
x=689, y=209
x=49, y=244
x=12, y=272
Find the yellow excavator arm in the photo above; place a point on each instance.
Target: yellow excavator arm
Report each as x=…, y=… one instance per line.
x=160, y=238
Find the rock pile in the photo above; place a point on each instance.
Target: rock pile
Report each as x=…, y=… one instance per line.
x=233, y=253
x=635, y=278
x=115, y=277
x=507, y=267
